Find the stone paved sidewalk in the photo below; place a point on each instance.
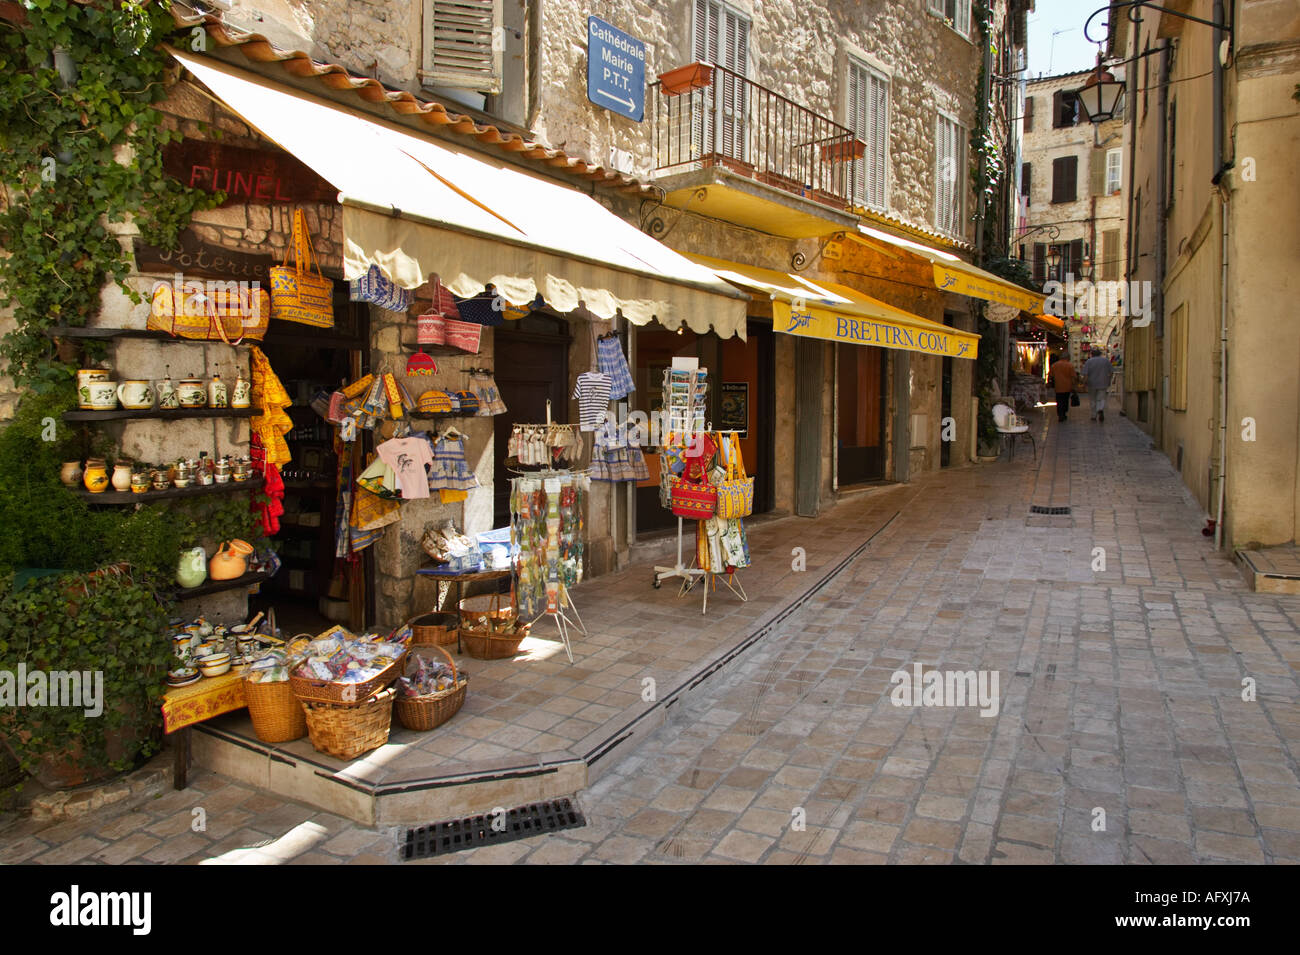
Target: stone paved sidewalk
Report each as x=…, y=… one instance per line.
x=1121, y=734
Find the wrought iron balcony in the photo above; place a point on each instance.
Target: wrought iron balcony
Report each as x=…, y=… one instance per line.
x=708, y=115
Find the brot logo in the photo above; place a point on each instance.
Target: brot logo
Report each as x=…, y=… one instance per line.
x=76, y=908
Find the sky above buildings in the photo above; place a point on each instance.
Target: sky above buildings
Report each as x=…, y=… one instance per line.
x=1056, y=43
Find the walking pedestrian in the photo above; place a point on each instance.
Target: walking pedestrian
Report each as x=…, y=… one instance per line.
x=1063, y=380
x=1097, y=373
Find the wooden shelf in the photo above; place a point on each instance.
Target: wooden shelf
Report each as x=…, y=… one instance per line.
x=128, y=497
x=217, y=586
x=105, y=334
x=128, y=413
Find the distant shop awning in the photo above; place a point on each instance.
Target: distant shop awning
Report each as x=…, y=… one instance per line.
x=951, y=274
x=838, y=313
x=418, y=208
x=1049, y=322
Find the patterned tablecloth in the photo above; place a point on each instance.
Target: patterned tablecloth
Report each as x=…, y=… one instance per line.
x=186, y=705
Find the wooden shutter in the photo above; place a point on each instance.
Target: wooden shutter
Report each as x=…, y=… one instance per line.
x=1029, y=114
x=1098, y=170
x=459, y=47
x=1073, y=260
x=1109, y=270
x=705, y=51
x=868, y=117
x=735, y=57
x=1065, y=176
x=1026, y=180
x=1040, y=263
x=1056, y=109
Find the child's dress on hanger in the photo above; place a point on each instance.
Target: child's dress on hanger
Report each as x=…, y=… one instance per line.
x=450, y=470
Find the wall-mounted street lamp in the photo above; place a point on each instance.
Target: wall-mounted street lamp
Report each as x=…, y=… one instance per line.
x=1099, y=97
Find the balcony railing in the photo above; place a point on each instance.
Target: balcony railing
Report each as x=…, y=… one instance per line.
x=720, y=118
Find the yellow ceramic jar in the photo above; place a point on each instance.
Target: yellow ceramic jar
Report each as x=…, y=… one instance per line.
x=96, y=476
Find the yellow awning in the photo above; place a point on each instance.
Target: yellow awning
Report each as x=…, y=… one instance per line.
x=838, y=313
x=952, y=274
x=417, y=208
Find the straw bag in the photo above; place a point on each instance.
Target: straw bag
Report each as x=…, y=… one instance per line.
x=736, y=490
x=378, y=289
x=345, y=732
x=696, y=500
x=424, y=713
x=217, y=314
x=296, y=294
x=277, y=715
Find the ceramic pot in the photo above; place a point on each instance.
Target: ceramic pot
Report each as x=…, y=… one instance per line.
x=95, y=477
x=102, y=395
x=139, y=482
x=241, y=395
x=159, y=480
x=192, y=568
x=217, y=393
x=167, y=397
x=135, y=394
x=230, y=561
x=70, y=475
x=122, y=476
x=85, y=376
x=190, y=393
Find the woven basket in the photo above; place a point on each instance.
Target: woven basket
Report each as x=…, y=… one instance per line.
x=429, y=712
x=489, y=628
x=344, y=694
x=345, y=732
x=433, y=629
x=277, y=715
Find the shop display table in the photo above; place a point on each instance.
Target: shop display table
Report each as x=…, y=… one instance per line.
x=460, y=580
x=183, y=706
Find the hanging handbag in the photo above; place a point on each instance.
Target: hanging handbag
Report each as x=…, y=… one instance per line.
x=380, y=479
x=215, y=313
x=736, y=491
x=696, y=500
x=378, y=289
x=296, y=294
x=431, y=329
x=1074, y=399
x=735, y=545
x=464, y=335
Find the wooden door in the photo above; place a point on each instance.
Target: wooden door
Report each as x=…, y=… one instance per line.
x=531, y=367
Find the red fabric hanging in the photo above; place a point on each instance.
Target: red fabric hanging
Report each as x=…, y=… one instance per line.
x=269, y=511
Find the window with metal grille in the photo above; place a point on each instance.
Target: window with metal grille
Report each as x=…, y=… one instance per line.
x=463, y=44
x=1065, y=179
x=868, y=117
x=721, y=37
x=950, y=175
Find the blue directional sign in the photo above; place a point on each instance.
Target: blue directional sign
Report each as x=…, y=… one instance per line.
x=615, y=70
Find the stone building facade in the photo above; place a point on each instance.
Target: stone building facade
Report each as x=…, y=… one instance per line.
x=1212, y=190
x=1074, y=171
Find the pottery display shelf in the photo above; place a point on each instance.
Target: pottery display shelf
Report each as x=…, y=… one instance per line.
x=103, y=334
x=116, y=414
x=128, y=497
x=217, y=586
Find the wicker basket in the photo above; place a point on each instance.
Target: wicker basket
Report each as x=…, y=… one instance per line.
x=345, y=732
x=277, y=715
x=429, y=712
x=490, y=628
x=433, y=629
x=344, y=694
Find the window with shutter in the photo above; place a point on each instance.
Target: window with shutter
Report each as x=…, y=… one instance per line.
x=950, y=175
x=868, y=117
x=1065, y=109
x=1026, y=181
x=1114, y=171
x=1065, y=179
x=1040, y=263
x=956, y=12
x=721, y=37
x=1110, y=255
x=1072, y=258
x=462, y=44
x=1097, y=172
x=1029, y=114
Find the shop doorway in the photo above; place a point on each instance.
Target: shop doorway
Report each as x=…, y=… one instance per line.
x=312, y=588
x=656, y=347
x=861, y=397
x=945, y=446
x=744, y=399
x=532, y=366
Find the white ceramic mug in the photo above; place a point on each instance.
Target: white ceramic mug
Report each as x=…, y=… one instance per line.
x=135, y=394
x=103, y=395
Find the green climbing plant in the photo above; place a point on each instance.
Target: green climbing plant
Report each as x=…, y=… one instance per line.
x=81, y=142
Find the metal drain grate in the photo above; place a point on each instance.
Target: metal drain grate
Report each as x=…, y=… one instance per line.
x=456, y=835
x=1039, y=509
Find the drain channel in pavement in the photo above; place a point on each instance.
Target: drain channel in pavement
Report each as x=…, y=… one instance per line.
x=1040, y=509
x=456, y=835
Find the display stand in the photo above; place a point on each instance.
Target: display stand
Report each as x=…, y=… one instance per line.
x=562, y=619
x=689, y=575
x=730, y=581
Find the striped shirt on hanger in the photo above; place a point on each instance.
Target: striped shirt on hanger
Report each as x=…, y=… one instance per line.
x=592, y=392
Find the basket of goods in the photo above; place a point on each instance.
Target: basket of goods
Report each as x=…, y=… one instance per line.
x=343, y=669
x=489, y=627
x=345, y=732
x=277, y=714
x=431, y=691
x=433, y=629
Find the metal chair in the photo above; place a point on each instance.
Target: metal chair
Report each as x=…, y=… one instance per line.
x=1011, y=426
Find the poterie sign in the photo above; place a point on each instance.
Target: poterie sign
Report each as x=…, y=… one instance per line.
x=615, y=70
x=245, y=175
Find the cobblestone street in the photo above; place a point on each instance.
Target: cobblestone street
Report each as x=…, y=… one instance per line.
x=1120, y=736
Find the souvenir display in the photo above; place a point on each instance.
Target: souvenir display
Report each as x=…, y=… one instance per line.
x=458, y=551
x=484, y=385
x=546, y=533
x=450, y=471
x=611, y=362
x=615, y=457
x=543, y=445
x=376, y=288
x=296, y=294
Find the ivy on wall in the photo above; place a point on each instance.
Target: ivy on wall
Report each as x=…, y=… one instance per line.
x=82, y=149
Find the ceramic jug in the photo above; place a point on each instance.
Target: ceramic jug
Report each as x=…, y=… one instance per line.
x=122, y=476
x=96, y=476
x=241, y=394
x=217, y=392
x=167, y=394
x=230, y=560
x=71, y=473
x=192, y=569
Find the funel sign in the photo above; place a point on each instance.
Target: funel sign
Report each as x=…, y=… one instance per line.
x=615, y=70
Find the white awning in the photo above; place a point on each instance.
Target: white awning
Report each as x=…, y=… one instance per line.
x=418, y=208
